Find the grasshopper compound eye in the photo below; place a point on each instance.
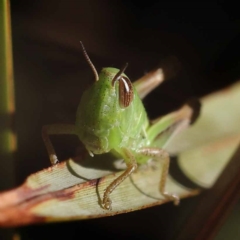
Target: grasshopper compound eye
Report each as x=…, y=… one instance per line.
x=125, y=92
x=125, y=88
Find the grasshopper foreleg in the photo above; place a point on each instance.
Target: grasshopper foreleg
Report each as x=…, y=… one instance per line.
x=131, y=167
x=55, y=129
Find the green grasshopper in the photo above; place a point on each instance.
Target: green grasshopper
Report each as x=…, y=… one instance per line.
x=111, y=118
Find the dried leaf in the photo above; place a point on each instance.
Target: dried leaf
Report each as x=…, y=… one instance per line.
x=74, y=188
x=58, y=194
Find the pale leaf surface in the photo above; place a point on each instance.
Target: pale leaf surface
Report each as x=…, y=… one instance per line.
x=73, y=189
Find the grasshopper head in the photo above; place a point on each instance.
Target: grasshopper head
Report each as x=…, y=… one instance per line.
x=100, y=109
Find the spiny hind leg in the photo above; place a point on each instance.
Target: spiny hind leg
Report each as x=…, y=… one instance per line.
x=170, y=66
x=148, y=82
x=162, y=155
x=131, y=167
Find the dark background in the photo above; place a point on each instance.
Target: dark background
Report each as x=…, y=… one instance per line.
x=51, y=74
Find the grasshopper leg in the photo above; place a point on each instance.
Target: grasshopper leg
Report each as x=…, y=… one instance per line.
x=162, y=155
x=54, y=130
x=169, y=68
x=131, y=167
x=148, y=82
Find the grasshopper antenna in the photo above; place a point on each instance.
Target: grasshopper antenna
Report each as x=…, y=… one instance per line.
x=118, y=75
x=89, y=62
